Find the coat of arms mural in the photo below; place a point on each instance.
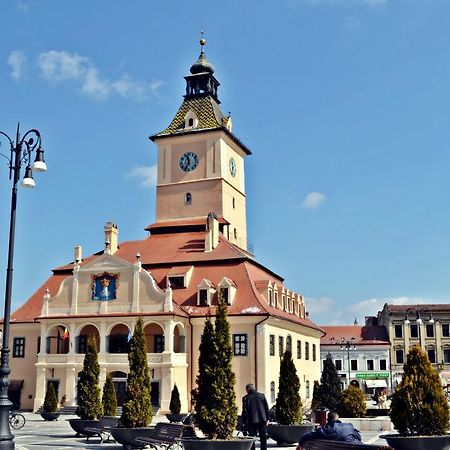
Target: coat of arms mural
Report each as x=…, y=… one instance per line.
x=104, y=286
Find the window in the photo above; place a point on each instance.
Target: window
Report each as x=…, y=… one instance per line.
x=398, y=330
x=188, y=199
x=203, y=297
x=370, y=365
x=280, y=345
x=234, y=203
x=191, y=122
x=82, y=343
x=307, y=389
x=414, y=329
x=270, y=297
x=399, y=356
x=289, y=343
x=240, y=344
x=383, y=365
x=276, y=298
x=272, y=345
x=431, y=355
x=225, y=296
x=354, y=364
x=299, y=349
x=446, y=355
x=430, y=330
x=159, y=343
x=177, y=282
x=235, y=233
x=38, y=349
x=306, y=350
x=272, y=391
x=314, y=352
x=445, y=330
x=338, y=364
x=19, y=347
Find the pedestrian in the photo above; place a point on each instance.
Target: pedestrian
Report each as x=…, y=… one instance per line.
x=254, y=415
x=334, y=430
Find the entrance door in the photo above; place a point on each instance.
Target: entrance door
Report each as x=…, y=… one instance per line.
x=120, y=385
x=55, y=386
x=155, y=394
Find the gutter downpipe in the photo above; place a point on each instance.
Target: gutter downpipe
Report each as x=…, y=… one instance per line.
x=256, y=349
x=191, y=358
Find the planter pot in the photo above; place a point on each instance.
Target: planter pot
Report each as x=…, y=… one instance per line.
x=80, y=425
x=235, y=443
x=288, y=434
x=49, y=415
x=127, y=436
x=175, y=418
x=402, y=442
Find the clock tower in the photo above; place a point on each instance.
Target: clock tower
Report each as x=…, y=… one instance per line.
x=201, y=162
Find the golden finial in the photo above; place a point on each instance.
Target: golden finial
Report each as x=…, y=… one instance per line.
x=203, y=40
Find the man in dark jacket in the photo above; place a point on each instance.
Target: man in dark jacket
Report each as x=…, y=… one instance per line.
x=254, y=414
x=334, y=430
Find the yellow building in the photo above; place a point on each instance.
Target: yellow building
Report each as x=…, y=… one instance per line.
x=196, y=248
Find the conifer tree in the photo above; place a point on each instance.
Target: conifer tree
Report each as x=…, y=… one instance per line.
x=353, y=403
x=50, y=400
x=137, y=408
x=89, y=403
x=214, y=397
x=288, y=404
x=418, y=404
x=330, y=386
x=316, y=398
x=175, y=403
x=109, y=398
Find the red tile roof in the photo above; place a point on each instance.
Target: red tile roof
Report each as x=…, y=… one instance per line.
x=163, y=254
x=401, y=309
x=364, y=335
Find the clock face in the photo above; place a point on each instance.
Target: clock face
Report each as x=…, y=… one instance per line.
x=188, y=161
x=232, y=167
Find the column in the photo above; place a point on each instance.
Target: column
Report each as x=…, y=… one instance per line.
x=70, y=386
x=41, y=386
x=168, y=336
x=167, y=382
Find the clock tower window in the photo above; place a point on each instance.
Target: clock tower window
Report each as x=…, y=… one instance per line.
x=188, y=199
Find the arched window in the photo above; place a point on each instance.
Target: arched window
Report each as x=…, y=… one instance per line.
x=289, y=343
x=188, y=198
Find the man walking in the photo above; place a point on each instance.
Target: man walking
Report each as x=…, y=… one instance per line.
x=254, y=414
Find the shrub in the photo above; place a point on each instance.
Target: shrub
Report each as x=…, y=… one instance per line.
x=418, y=404
x=289, y=404
x=175, y=403
x=50, y=400
x=89, y=403
x=353, y=403
x=137, y=408
x=109, y=398
x=214, y=397
x=330, y=386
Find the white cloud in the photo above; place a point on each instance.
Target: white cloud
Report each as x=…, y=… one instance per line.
x=16, y=60
x=147, y=175
x=314, y=200
x=62, y=66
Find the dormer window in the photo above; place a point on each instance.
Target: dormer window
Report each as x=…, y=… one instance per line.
x=225, y=295
x=270, y=297
x=275, y=299
x=190, y=120
x=203, y=297
x=205, y=292
x=176, y=282
x=228, y=290
x=179, y=277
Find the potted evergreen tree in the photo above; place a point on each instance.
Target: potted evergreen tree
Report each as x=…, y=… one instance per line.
x=90, y=407
x=330, y=390
x=353, y=403
x=109, y=398
x=137, y=408
x=419, y=408
x=175, y=407
x=288, y=406
x=50, y=406
x=214, y=397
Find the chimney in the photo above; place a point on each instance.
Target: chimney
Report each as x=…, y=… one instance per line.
x=78, y=254
x=111, y=238
x=212, y=232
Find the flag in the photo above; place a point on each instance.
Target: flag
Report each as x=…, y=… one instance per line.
x=129, y=336
x=66, y=334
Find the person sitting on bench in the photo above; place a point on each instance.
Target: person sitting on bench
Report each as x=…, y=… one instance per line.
x=334, y=430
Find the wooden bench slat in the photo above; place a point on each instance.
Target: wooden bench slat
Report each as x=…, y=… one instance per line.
x=164, y=435
x=324, y=444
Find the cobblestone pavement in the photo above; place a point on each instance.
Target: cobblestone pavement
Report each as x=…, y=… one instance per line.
x=40, y=435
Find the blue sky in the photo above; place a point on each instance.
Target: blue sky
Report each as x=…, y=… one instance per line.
x=344, y=103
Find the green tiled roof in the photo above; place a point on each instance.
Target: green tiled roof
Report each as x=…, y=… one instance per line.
x=207, y=111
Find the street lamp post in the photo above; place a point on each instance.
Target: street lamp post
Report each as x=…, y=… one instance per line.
x=20, y=153
x=348, y=344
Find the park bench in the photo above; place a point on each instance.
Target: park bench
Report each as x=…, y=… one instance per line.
x=164, y=435
x=103, y=429
x=324, y=444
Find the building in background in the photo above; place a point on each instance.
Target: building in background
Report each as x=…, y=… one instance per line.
x=196, y=249
x=361, y=355
x=425, y=325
